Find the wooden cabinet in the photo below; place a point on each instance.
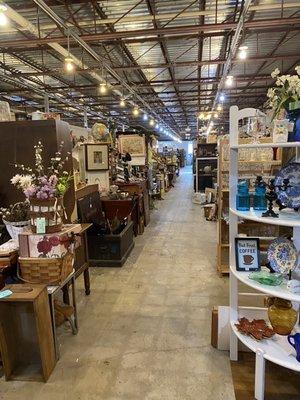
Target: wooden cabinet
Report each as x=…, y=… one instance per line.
x=26, y=337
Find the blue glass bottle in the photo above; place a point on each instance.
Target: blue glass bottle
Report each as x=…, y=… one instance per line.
x=259, y=198
x=243, y=197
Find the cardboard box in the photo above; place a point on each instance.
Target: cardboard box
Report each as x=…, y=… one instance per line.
x=49, y=245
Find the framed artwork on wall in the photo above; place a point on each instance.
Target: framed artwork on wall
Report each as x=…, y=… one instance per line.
x=132, y=144
x=96, y=157
x=247, y=254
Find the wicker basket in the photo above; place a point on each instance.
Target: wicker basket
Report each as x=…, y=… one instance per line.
x=52, y=210
x=45, y=270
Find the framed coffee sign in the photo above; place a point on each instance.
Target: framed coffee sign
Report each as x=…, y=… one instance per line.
x=247, y=254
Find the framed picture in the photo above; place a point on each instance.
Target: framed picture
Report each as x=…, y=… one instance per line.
x=96, y=157
x=132, y=144
x=247, y=254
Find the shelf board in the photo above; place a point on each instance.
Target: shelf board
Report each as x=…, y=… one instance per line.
x=276, y=291
x=286, y=217
x=273, y=349
x=270, y=162
x=262, y=145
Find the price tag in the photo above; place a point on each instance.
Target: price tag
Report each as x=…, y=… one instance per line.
x=40, y=225
x=5, y=293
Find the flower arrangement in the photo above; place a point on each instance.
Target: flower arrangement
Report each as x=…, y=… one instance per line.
x=18, y=212
x=286, y=91
x=40, y=182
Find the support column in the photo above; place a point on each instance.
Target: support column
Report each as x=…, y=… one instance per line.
x=260, y=365
x=46, y=102
x=85, y=119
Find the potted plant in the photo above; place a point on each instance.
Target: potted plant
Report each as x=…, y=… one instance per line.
x=285, y=96
x=16, y=218
x=44, y=187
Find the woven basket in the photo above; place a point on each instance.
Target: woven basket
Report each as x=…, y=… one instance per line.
x=45, y=270
x=52, y=210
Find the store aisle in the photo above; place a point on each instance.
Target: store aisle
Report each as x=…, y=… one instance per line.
x=145, y=329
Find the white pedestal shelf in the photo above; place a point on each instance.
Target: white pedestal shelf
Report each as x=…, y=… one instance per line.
x=276, y=291
x=287, y=217
x=275, y=349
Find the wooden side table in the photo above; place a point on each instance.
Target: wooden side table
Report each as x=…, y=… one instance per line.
x=26, y=338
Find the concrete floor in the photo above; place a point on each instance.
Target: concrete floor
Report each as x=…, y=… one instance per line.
x=144, y=331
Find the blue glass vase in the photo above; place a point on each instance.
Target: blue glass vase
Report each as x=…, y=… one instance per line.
x=243, y=197
x=259, y=198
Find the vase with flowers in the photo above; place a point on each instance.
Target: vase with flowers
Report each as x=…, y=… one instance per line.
x=16, y=218
x=44, y=188
x=285, y=96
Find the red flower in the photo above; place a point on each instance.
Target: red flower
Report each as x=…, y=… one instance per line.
x=44, y=246
x=54, y=240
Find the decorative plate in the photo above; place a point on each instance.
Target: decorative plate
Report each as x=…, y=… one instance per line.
x=291, y=197
x=282, y=255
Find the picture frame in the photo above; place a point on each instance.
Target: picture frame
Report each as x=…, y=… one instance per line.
x=132, y=144
x=247, y=254
x=96, y=157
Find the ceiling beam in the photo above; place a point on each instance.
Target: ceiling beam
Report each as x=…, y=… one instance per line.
x=264, y=24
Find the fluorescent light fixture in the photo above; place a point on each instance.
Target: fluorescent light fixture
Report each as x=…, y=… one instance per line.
x=122, y=103
x=219, y=107
x=222, y=97
x=151, y=122
x=145, y=117
x=156, y=126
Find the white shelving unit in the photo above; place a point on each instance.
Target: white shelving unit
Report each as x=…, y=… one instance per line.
x=276, y=349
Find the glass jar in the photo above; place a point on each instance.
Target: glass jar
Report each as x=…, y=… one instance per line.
x=282, y=315
x=259, y=198
x=243, y=197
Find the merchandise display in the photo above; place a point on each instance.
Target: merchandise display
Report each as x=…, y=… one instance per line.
x=149, y=180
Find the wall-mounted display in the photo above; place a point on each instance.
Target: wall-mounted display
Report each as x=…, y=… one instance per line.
x=132, y=144
x=96, y=157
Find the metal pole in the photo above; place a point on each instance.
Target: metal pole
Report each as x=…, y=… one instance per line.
x=46, y=102
x=85, y=119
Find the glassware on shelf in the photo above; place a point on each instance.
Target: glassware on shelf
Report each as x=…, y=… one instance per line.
x=259, y=198
x=282, y=316
x=266, y=278
x=243, y=197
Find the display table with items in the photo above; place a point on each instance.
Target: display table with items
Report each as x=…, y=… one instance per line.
x=273, y=335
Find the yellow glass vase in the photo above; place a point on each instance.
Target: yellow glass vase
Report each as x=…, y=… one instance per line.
x=282, y=316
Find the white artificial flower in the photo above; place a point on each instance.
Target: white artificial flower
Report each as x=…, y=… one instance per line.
x=275, y=73
x=15, y=179
x=25, y=181
x=271, y=93
x=297, y=69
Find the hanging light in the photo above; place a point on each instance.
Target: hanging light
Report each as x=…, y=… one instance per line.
x=3, y=17
x=151, y=122
x=216, y=115
x=69, y=62
x=243, y=52
x=219, y=107
x=222, y=97
x=201, y=116
x=229, y=80
x=103, y=88
x=145, y=117
x=161, y=129
x=136, y=111
x=156, y=126
x=122, y=102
